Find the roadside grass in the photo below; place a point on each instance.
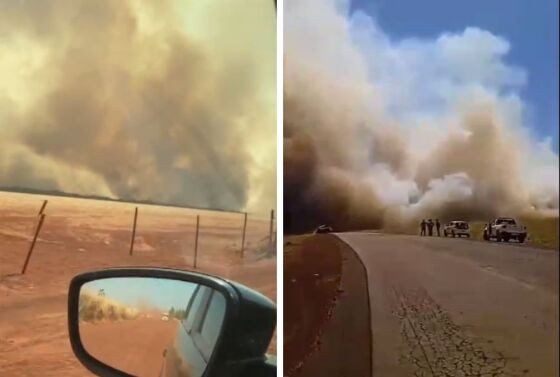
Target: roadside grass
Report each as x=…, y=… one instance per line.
x=543, y=231
x=94, y=308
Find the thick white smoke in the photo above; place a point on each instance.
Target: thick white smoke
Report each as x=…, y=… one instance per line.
x=412, y=127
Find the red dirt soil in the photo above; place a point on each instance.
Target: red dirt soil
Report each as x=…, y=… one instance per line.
x=80, y=235
x=347, y=330
x=312, y=272
x=134, y=346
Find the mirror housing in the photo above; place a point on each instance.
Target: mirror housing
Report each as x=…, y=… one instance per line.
x=247, y=329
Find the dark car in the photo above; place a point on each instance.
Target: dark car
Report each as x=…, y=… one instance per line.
x=196, y=336
x=323, y=229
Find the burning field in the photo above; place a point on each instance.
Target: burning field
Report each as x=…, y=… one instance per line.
x=79, y=235
x=382, y=133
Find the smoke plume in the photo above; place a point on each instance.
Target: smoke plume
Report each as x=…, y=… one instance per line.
x=172, y=101
x=381, y=132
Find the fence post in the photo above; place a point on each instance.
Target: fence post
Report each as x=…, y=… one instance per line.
x=196, y=240
x=244, y=230
x=32, y=246
x=271, y=227
x=43, y=207
x=133, y=230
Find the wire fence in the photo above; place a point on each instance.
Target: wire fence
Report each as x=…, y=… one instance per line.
x=41, y=230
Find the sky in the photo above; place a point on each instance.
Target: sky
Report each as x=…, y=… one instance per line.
x=531, y=28
x=160, y=293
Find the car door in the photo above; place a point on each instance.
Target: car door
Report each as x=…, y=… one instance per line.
x=493, y=228
x=196, y=336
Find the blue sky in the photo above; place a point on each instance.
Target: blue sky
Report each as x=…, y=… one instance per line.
x=531, y=27
x=161, y=293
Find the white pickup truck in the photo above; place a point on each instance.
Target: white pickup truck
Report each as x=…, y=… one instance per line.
x=457, y=229
x=505, y=229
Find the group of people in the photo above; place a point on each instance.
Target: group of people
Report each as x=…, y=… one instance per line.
x=429, y=225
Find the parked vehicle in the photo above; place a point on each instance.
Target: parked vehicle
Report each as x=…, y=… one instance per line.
x=505, y=229
x=457, y=228
x=323, y=229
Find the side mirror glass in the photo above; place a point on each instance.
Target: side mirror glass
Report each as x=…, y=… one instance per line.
x=150, y=326
x=167, y=323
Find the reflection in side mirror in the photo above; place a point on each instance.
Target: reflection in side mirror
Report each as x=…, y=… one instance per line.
x=147, y=326
x=142, y=321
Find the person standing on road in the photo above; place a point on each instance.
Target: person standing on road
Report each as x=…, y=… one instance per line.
x=423, y=228
x=438, y=225
x=430, y=227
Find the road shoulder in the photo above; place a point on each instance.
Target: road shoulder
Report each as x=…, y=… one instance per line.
x=341, y=342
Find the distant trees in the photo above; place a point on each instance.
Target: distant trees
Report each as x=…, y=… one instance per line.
x=177, y=313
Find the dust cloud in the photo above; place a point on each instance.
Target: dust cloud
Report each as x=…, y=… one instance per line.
x=381, y=133
x=169, y=101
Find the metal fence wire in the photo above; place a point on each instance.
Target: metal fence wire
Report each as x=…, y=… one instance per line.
x=80, y=228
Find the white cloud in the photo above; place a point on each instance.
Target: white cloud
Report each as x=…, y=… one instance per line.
x=419, y=75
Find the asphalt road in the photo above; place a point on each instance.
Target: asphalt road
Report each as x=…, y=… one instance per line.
x=456, y=307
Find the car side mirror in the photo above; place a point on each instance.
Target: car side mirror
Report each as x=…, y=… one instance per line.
x=164, y=322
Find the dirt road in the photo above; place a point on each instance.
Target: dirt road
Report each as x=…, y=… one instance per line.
x=134, y=346
x=450, y=307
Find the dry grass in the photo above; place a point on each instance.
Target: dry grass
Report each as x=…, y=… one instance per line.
x=94, y=308
x=543, y=231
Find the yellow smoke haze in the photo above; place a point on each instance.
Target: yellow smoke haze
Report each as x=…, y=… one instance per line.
x=171, y=101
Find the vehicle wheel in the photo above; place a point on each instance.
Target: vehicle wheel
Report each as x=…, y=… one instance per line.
x=453, y=234
x=468, y=236
x=485, y=236
x=498, y=237
x=521, y=239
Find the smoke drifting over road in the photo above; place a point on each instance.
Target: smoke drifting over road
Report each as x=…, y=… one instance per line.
x=381, y=132
x=172, y=101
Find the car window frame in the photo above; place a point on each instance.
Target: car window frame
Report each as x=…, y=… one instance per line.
x=194, y=330
x=199, y=341
x=185, y=322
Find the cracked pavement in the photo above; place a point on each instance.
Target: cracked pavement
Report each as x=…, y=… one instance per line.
x=452, y=307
